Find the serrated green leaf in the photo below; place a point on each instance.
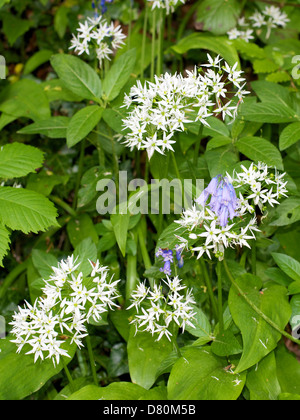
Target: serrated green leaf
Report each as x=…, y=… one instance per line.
x=17, y=160
x=4, y=243
x=25, y=210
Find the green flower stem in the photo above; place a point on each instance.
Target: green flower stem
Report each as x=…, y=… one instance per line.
x=131, y=275
x=175, y=165
x=68, y=375
x=144, y=251
x=198, y=144
x=220, y=297
x=209, y=288
x=177, y=348
x=144, y=42
x=63, y=205
x=92, y=359
x=161, y=30
x=255, y=308
x=153, y=44
x=253, y=257
x=186, y=19
x=80, y=171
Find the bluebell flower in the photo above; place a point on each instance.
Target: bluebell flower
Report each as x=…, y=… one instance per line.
x=100, y=5
x=168, y=258
x=223, y=201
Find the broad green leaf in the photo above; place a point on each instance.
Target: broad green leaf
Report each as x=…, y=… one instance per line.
x=54, y=127
x=226, y=344
x=262, y=380
x=218, y=45
x=4, y=243
x=118, y=75
x=14, y=27
x=145, y=355
x=259, y=149
x=118, y=391
x=113, y=118
x=202, y=328
x=268, y=112
x=289, y=136
x=37, y=60
x=81, y=228
x=249, y=49
x=86, y=251
x=218, y=141
x=287, y=213
x=288, y=370
x=82, y=123
x=200, y=375
x=269, y=92
x=78, y=76
x=55, y=90
x=17, y=160
x=26, y=210
x=44, y=182
x=220, y=160
x=43, y=263
x=295, y=317
x=259, y=338
x=25, y=98
x=288, y=265
x=218, y=16
x=120, y=224
x=20, y=376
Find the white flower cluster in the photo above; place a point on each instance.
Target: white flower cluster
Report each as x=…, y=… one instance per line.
x=159, y=310
x=96, y=33
x=263, y=188
x=169, y=5
x=162, y=108
x=272, y=17
x=203, y=231
x=69, y=301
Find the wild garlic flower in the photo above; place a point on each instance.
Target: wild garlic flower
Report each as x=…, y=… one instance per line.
x=70, y=300
x=161, y=109
x=264, y=186
x=207, y=230
x=169, y=5
x=96, y=34
x=157, y=309
x=271, y=17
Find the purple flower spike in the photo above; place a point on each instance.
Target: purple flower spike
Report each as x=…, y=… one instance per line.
x=223, y=200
